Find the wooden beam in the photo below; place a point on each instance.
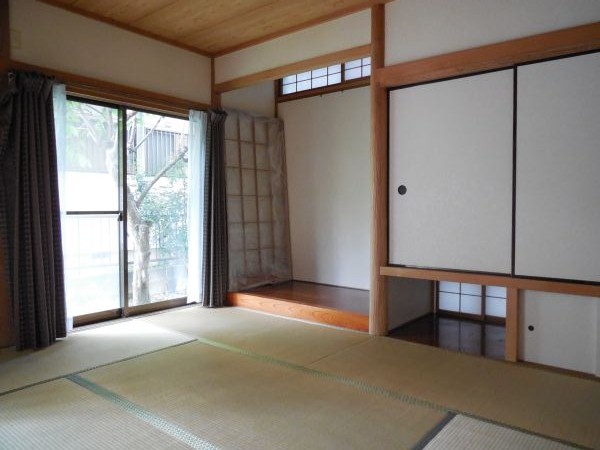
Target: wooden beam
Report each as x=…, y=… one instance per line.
x=117, y=93
x=300, y=66
x=378, y=309
x=4, y=36
x=530, y=284
x=511, y=342
x=495, y=56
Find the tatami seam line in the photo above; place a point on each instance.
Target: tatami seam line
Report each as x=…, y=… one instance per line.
x=366, y=387
x=87, y=369
x=143, y=414
x=434, y=431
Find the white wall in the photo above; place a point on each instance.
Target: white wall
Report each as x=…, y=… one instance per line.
x=328, y=167
x=54, y=38
x=420, y=28
x=407, y=300
x=258, y=99
x=565, y=333
x=340, y=34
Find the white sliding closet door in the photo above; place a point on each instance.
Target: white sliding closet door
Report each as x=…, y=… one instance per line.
x=451, y=147
x=558, y=169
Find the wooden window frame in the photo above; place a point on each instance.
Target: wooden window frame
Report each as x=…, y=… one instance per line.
x=343, y=85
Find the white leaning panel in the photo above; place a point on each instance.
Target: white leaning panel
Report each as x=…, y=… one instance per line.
x=451, y=146
x=558, y=169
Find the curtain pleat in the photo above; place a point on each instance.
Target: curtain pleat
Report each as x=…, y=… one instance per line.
x=31, y=231
x=215, y=273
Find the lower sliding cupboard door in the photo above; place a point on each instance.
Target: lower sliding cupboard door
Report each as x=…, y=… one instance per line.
x=558, y=169
x=451, y=169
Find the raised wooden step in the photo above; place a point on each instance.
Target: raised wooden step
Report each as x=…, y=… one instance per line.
x=340, y=307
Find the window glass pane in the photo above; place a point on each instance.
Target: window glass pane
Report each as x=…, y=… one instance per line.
x=290, y=79
x=366, y=71
x=449, y=302
x=319, y=72
x=91, y=260
x=91, y=182
x=352, y=64
x=334, y=79
x=319, y=82
x=337, y=68
x=448, y=286
x=495, y=307
x=471, y=289
x=303, y=85
x=470, y=304
x=288, y=89
x=495, y=291
x=157, y=218
x=366, y=61
x=353, y=73
x=303, y=76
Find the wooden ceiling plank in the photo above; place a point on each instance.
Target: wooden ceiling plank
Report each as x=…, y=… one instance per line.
x=127, y=11
x=264, y=25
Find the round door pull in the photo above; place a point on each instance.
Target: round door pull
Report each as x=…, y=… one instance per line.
x=402, y=189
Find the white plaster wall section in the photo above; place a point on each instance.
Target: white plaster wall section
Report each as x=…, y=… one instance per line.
x=54, y=38
x=340, y=34
x=418, y=29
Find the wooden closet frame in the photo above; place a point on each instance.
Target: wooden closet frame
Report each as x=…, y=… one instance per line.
x=570, y=41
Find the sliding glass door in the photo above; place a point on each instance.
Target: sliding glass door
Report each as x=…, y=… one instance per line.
x=125, y=202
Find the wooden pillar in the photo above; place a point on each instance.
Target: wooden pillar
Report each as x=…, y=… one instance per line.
x=215, y=99
x=6, y=329
x=511, y=344
x=378, y=313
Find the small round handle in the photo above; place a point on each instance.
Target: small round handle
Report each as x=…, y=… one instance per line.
x=402, y=189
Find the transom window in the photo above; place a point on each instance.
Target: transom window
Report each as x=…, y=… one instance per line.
x=326, y=76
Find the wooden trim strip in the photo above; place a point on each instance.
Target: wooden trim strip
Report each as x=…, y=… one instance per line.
x=559, y=287
x=344, y=86
x=311, y=23
x=300, y=66
x=116, y=93
x=495, y=56
x=328, y=316
x=511, y=342
x=378, y=303
x=90, y=15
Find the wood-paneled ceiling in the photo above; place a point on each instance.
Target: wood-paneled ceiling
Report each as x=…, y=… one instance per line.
x=213, y=27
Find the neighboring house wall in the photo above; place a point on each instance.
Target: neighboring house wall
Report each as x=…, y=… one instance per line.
x=340, y=34
x=51, y=37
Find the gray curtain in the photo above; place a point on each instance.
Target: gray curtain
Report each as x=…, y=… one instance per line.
x=215, y=273
x=29, y=207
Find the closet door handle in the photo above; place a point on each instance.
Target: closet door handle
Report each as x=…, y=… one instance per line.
x=402, y=189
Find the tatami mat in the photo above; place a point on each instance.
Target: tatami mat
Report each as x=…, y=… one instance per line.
x=62, y=415
x=237, y=402
x=84, y=350
x=555, y=405
x=289, y=340
x=464, y=433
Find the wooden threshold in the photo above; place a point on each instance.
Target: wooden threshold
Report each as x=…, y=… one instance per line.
x=297, y=310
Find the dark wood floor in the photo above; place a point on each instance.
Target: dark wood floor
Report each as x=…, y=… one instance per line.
x=331, y=305
x=460, y=335
x=335, y=297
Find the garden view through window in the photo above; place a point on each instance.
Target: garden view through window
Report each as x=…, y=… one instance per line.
x=124, y=192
